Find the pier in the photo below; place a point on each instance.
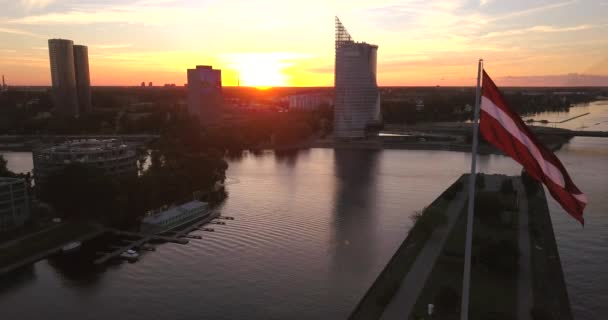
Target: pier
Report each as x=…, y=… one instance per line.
x=143, y=239
x=139, y=240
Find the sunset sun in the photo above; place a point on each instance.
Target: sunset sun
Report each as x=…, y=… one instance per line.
x=260, y=70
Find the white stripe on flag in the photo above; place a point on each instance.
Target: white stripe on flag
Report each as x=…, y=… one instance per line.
x=550, y=170
x=580, y=197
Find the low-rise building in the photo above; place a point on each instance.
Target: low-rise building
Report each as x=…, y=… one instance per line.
x=176, y=215
x=14, y=203
x=308, y=102
x=114, y=157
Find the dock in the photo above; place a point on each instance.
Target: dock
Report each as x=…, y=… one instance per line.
x=170, y=235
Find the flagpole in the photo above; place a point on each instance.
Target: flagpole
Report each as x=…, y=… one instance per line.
x=466, y=278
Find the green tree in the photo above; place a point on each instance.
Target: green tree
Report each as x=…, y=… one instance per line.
x=430, y=218
x=4, y=172
x=81, y=192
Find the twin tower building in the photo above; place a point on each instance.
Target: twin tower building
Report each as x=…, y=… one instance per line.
x=71, y=91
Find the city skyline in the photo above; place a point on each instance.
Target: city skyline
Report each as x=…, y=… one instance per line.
x=270, y=43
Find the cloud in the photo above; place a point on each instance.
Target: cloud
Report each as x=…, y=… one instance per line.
x=35, y=4
x=21, y=32
x=322, y=69
x=282, y=56
x=146, y=12
x=112, y=46
x=541, y=29
x=450, y=24
x=532, y=10
x=25, y=61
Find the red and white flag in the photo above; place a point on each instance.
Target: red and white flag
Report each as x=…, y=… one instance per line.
x=503, y=128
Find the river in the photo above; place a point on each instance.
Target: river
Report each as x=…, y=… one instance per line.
x=312, y=230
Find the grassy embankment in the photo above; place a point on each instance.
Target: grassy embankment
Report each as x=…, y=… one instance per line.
x=386, y=285
x=494, y=262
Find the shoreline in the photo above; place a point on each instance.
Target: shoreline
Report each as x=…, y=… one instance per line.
x=41, y=255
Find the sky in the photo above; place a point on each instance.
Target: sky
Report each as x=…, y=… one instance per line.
x=290, y=43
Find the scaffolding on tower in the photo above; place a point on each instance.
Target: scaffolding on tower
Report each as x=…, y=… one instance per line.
x=342, y=35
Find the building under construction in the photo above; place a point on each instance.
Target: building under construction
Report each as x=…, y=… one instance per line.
x=357, y=100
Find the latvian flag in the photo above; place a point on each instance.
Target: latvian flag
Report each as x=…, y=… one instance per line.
x=502, y=127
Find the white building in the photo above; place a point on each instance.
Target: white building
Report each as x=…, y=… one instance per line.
x=176, y=215
x=205, y=98
x=357, y=101
x=14, y=203
x=308, y=101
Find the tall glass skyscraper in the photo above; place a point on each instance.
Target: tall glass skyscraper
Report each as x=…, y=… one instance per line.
x=357, y=101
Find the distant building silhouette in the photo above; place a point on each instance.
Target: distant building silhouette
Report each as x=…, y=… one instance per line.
x=150, y=84
x=63, y=75
x=357, y=101
x=4, y=86
x=71, y=88
x=83, y=81
x=205, y=100
x=143, y=83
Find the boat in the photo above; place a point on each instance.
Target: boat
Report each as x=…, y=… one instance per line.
x=71, y=247
x=130, y=255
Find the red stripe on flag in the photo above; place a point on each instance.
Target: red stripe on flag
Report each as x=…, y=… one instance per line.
x=503, y=128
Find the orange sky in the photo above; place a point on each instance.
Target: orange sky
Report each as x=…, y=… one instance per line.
x=284, y=43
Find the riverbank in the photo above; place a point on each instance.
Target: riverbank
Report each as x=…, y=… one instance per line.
x=29, y=142
x=421, y=142
x=442, y=136
x=43, y=244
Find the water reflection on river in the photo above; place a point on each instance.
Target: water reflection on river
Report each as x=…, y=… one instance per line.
x=312, y=231
x=596, y=120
